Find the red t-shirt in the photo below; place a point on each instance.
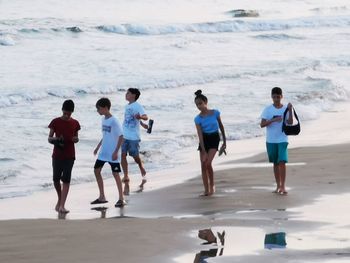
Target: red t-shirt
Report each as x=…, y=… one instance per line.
x=68, y=129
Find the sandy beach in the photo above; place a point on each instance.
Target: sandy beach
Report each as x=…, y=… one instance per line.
x=161, y=225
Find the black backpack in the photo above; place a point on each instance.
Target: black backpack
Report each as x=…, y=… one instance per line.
x=293, y=129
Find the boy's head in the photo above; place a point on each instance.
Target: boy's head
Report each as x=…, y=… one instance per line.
x=276, y=95
x=132, y=94
x=103, y=106
x=67, y=108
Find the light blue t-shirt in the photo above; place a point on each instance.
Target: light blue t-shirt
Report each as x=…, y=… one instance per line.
x=111, y=131
x=274, y=133
x=209, y=123
x=131, y=125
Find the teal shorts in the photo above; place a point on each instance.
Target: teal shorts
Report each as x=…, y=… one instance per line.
x=277, y=152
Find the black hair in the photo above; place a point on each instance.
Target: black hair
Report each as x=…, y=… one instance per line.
x=103, y=103
x=68, y=105
x=276, y=91
x=200, y=96
x=136, y=92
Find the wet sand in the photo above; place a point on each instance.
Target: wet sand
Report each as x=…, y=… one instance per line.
x=161, y=225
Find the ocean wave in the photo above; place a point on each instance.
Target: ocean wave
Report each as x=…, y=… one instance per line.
x=228, y=26
x=7, y=40
x=332, y=9
x=278, y=37
x=5, y=175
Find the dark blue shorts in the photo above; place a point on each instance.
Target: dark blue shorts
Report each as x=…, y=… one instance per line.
x=114, y=166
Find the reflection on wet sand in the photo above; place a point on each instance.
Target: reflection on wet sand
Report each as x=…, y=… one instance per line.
x=271, y=241
x=101, y=209
x=208, y=236
x=275, y=240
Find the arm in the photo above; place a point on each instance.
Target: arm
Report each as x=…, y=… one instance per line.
x=290, y=118
x=119, y=144
x=264, y=123
x=75, y=139
x=143, y=117
x=51, y=139
x=222, y=129
x=97, y=147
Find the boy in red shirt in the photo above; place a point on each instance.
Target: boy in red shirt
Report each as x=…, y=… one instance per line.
x=63, y=135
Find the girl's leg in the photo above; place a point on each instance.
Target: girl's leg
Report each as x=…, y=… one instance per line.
x=210, y=171
x=204, y=174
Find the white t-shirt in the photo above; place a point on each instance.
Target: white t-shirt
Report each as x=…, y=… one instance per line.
x=131, y=125
x=274, y=132
x=111, y=130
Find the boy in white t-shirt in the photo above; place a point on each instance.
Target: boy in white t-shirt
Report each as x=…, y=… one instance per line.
x=134, y=113
x=109, y=147
x=276, y=139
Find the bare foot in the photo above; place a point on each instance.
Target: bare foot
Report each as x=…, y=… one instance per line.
x=204, y=194
x=57, y=206
x=143, y=182
x=63, y=211
x=212, y=191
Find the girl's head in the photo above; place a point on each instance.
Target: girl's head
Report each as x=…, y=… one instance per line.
x=200, y=100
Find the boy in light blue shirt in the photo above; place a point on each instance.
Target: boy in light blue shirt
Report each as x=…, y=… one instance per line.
x=276, y=139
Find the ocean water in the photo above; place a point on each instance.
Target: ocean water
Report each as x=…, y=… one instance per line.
x=52, y=50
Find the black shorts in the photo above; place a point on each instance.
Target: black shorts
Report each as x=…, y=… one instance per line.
x=114, y=166
x=62, y=170
x=211, y=141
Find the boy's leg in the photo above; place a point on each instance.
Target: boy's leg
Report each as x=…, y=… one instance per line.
x=57, y=171
x=115, y=171
x=59, y=192
x=276, y=171
x=65, y=190
x=124, y=161
x=210, y=171
x=119, y=185
x=142, y=170
x=282, y=171
x=66, y=177
x=282, y=160
x=97, y=170
x=204, y=174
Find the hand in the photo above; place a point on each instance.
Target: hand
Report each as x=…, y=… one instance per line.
x=290, y=106
x=75, y=139
x=277, y=119
x=115, y=156
x=95, y=151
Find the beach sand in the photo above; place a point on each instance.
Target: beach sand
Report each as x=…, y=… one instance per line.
x=161, y=225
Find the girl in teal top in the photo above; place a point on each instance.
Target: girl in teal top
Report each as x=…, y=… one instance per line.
x=208, y=123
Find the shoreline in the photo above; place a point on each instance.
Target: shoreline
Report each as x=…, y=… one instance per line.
x=240, y=154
